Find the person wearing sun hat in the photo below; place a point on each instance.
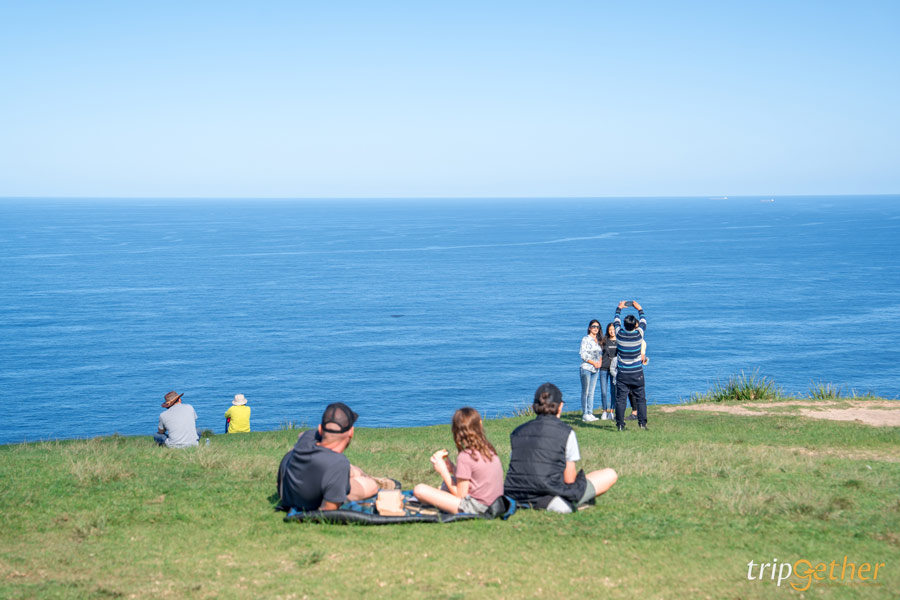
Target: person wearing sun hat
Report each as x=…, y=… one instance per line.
x=177, y=424
x=315, y=474
x=237, y=417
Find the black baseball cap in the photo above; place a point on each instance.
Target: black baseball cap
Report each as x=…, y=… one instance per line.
x=338, y=414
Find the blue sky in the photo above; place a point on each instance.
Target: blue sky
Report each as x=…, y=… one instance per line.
x=423, y=99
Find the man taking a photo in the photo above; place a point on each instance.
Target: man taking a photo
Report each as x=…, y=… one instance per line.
x=630, y=369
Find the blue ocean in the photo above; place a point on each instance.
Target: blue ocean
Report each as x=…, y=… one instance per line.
x=407, y=310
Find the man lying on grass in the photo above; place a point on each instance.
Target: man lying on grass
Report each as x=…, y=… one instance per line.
x=542, y=472
x=315, y=474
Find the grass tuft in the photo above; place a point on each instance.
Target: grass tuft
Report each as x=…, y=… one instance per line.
x=308, y=559
x=825, y=391
x=523, y=411
x=741, y=388
x=88, y=526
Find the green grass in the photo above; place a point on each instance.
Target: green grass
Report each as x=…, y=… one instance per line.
x=699, y=495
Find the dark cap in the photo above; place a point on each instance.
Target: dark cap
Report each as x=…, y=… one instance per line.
x=338, y=414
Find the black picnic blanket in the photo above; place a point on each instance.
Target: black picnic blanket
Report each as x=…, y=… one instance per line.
x=363, y=512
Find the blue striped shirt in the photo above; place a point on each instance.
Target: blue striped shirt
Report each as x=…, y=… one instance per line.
x=629, y=343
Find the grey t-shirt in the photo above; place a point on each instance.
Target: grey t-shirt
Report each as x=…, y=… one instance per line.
x=572, y=453
x=310, y=474
x=180, y=423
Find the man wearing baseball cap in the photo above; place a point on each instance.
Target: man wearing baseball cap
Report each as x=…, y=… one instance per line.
x=315, y=474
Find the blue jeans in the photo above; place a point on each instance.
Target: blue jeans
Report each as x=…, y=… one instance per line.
x=588, y=383
x=160, y=438
x=607, y=389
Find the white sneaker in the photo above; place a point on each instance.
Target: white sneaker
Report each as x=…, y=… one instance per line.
x=604, y=416
x=589, y=418
x=558, y=505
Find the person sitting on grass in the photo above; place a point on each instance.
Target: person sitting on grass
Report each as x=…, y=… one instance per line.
x=177, y=424
x=478, y=479
x=542, y=471
x=315, y=474
x=237, y=417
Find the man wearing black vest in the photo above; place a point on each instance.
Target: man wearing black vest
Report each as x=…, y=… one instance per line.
x=542, y=471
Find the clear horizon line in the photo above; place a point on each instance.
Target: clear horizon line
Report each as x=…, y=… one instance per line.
x=381, y=197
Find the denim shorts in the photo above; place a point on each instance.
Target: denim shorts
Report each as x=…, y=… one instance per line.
x=472, y=506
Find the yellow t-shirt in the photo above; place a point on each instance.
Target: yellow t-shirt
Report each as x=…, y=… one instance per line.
x=240, y=419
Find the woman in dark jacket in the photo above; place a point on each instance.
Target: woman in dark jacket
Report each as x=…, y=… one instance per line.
x=607, y=378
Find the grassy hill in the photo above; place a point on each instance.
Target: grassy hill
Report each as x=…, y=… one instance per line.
x=699, y=496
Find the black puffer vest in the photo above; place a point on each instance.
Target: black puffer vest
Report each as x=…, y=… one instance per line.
x=537, y=463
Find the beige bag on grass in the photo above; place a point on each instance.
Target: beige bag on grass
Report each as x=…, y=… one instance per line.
x=389, y=503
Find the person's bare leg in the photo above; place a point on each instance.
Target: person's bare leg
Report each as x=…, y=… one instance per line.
x=602, y=480
x=381, y=483
x=445, y=501
x=361, y=485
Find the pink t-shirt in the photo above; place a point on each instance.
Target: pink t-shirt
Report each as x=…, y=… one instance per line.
x=485, y=477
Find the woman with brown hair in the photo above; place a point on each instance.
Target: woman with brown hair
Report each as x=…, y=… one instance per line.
x=476, y=480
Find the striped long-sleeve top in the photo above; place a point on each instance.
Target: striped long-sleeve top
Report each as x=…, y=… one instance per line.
x=629, y=343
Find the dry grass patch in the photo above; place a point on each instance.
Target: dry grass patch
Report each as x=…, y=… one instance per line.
x=211, y=458
x=92, y=462
x=252, y=467
x=870, y=455
x=877, y=413
x=88, y=525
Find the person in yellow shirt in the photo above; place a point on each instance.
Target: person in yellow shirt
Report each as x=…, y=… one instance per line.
x=237, y=417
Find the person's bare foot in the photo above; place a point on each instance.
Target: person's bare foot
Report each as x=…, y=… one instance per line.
x=386, y=483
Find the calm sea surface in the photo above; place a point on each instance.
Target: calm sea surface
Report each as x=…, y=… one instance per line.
x=407, y=311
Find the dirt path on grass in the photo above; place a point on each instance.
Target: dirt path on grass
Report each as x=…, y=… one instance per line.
x=878, y=413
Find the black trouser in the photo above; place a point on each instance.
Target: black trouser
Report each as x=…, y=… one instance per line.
x=630, y=383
